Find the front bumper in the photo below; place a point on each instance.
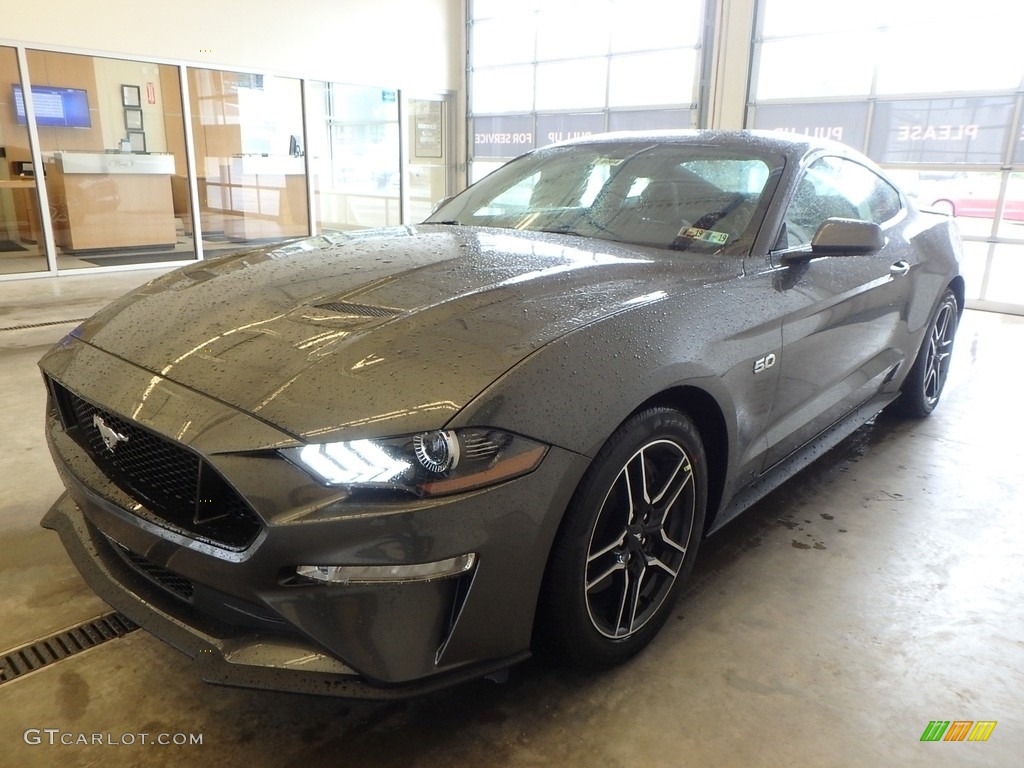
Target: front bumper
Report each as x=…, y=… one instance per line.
x=242, y=614
x=225, y=654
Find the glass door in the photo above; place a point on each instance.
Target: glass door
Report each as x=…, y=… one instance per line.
x=251, y=173
x=354, y=155
x=429, y=166
x=21, y=230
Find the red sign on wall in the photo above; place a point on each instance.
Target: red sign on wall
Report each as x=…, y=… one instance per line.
x=150, y=93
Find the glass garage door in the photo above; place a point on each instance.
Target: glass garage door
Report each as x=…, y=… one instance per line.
x=947, y=125
x=541, y=71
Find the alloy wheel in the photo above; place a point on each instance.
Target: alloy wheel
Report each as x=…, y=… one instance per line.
x=640, y=538
x=940, y=348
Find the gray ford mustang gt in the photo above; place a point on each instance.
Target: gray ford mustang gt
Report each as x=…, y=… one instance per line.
x=377, y=463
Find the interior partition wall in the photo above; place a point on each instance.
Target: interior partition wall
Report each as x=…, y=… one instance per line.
x=933, y=91
x=111, y=140
x=92, y=162
x=110, y=162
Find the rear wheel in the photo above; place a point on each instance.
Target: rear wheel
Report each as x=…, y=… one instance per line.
x=924, y=384
x=627, y=544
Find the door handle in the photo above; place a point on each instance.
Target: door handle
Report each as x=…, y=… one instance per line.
x=899, y=268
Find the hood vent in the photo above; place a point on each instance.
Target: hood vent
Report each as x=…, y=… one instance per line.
x=357, y=310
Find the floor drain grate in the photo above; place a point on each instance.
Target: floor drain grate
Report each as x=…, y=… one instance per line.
x=49, y=650
x=43, y=325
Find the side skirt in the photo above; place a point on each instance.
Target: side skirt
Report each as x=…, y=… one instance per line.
x=801, y=458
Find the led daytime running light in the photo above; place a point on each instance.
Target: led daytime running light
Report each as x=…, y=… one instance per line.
x=384, y=574
x=433, y=463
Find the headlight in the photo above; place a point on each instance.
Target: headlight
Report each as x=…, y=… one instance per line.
x=428, y=464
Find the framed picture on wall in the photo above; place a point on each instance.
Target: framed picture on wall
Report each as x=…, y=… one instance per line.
x=133, y=119
x=138, y=140
x=131, y=96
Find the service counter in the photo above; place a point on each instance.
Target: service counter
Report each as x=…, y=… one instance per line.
x=26, y=207
x=107, y=201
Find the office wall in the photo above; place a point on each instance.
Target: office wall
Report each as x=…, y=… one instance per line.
x=408, y=44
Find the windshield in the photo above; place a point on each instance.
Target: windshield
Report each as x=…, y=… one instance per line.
x=667, y=195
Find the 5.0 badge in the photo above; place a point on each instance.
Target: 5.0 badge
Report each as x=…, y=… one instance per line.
x=762, y=364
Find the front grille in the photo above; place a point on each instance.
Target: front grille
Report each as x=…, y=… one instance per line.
x=173, y=483
x=169, y=580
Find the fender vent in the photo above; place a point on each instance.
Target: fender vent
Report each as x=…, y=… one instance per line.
x=49, y=650
x=357, y=310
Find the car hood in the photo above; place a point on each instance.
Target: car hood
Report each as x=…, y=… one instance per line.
x=379, y=333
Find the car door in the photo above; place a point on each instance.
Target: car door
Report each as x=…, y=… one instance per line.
x=840, y=313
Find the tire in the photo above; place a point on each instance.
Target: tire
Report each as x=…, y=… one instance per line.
x=627, y=544
x=923, y=386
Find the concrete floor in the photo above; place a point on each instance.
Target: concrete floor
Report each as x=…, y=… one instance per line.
x=877, y=591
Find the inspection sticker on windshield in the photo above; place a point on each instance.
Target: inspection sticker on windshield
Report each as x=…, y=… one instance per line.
x=707, y=235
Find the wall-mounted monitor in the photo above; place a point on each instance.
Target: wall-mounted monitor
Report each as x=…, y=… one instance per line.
x=56, y=107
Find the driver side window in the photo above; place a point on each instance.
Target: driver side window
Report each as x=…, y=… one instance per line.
x=833, y=186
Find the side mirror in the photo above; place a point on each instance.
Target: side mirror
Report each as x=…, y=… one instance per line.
x=839, y=237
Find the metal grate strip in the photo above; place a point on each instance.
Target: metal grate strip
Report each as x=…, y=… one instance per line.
x=43, y=325
x=49, y=650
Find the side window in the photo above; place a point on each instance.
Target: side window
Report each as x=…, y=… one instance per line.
x=884, y=201
x=833, y=186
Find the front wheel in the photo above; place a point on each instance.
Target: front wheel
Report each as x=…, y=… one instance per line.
x=924, y=384
x=627, y=543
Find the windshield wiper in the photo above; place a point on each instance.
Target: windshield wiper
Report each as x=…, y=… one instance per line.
x=564, y=230
x=451, y=222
